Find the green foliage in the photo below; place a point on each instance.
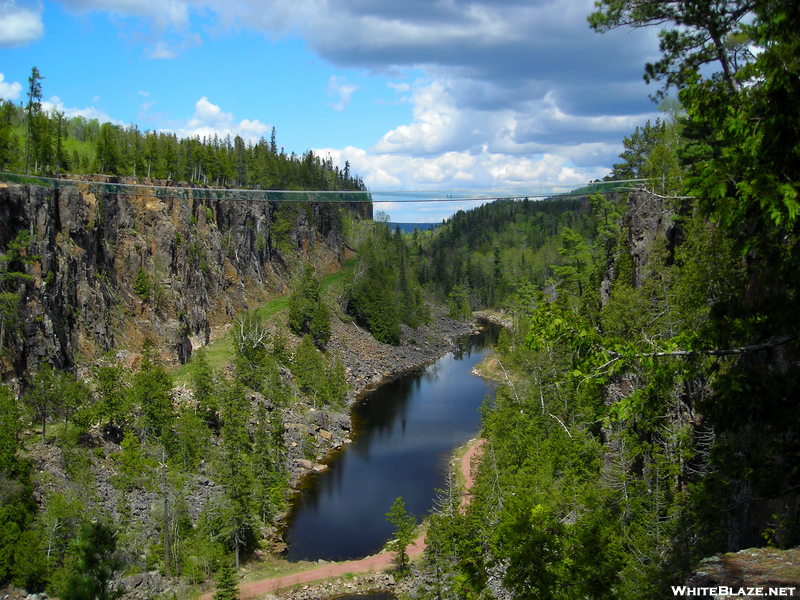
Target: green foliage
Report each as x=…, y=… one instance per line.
x=308, y=367
x=691, y=35
x=202, y=377
x=337, y=386
x=638, y=147
x=44, y=395
x=383, y=290
x=141, y=284
x=97, y=561
x=30, y=562
x=32, y=111
x=503, y=345
x=497, y=249
x=404, y=525
x=193, y=439
x=234, y=467
x=133, y=464
x=10, y=429
x=151, y=394
x=280, y=349
x=9, y=142
x=110, y=384
x=271, y=479
x=458, y=304
x=58, y=524
x=12, y=279
x=595, y=481
x=307, y=312
x=227, y=586
x=82, y=145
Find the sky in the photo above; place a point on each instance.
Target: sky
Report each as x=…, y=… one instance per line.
x=415, y=94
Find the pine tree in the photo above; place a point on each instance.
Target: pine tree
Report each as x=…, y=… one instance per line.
x=32, y=109
x=227, y=586
x=404, y=525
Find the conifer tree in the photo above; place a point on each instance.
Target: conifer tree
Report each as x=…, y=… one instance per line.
x=32, y=109
x=404, y=525
x=227, y=586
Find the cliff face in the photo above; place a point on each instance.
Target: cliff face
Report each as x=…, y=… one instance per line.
x=115, y=268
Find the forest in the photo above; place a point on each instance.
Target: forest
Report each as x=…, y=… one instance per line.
x=41, y=142
x=648, y=416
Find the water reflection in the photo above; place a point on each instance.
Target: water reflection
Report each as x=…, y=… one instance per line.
x=404, y=433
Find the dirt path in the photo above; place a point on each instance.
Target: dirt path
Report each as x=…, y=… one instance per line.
x=372, y=563
x=475, y=449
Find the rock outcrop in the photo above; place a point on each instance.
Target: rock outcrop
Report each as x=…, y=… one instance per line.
x=114, y=268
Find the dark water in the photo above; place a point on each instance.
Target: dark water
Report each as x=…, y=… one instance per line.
x=405, y=432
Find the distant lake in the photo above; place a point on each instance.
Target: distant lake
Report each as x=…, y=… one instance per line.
x=404, y=434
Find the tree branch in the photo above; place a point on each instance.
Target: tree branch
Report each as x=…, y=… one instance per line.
x=728, y=352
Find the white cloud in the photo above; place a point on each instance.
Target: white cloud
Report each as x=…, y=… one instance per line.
x=454, y=170
x=340, y=86
x=19, y=26
x=165, y=13
x=89, y=113
x=161, y=51
x=209, y=119
x=512, y=93
x=9, y=91
x=168, y=49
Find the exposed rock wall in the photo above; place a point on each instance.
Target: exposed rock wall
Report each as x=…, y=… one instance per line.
x=648, y=216
x=204, y=261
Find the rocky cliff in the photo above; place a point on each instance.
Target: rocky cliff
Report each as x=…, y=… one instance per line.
x=114, y=268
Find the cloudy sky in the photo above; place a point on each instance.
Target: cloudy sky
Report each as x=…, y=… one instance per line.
x=416, y=94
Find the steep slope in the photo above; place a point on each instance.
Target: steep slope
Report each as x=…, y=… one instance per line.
x=115, y=268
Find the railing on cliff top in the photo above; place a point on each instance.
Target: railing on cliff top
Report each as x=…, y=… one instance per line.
x=174, y=190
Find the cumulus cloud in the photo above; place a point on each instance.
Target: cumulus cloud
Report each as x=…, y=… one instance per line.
x=209, y=120
x=19, y=25
x=339, y=86
x=9, y=91
x=89, y=113
x=455, y=170
x=512, y=91
x=515, y=51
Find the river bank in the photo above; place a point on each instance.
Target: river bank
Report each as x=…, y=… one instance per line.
x=370, y=574
x=313, y=435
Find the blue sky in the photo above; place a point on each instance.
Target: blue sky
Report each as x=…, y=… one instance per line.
x=417, y=95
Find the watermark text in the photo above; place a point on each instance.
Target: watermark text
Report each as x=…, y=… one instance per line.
x=724, y=590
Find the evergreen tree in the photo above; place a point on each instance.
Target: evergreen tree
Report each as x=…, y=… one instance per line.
x=10, y=428
x=110, y=381
x=404, y=525
x=227, y=586
x=235, y=465
x=95, y=566
x=307, y=312
x=151, y=393
x=32, y=109
x=8, y=139
x=44, y=395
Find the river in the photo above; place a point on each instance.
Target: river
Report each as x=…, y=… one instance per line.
x=403, y=436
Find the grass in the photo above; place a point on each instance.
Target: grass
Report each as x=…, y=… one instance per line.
x=489, y=368
x=273, y=566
